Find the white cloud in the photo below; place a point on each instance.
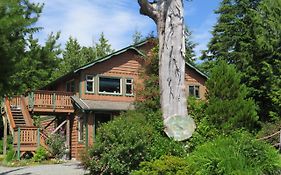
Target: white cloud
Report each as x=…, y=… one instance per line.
x=86, y=19
x=202, y=34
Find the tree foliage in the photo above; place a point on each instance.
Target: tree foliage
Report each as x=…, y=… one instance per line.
x=75, y=55
x=228, y=106
x=17, y=19
x=38, y=64
x=102, y=48
x=128, y=140
x=248, y=35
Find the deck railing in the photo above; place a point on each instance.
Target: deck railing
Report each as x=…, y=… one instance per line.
x=29, y=138
x=15, y=101
x=54, y=100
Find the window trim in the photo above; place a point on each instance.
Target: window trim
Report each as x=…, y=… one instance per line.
x=132, y=86
x=194, y=91
x=110, y=93
x=93, y=83
x=81, y=122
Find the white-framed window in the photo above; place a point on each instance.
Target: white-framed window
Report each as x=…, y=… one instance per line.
x=194, y=91
x=70, y=86
x=81, y=129
x=90, y=83
x=110, y=85
x=129, y=83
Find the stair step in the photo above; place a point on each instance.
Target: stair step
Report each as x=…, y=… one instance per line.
x=20, y=115
x=16, y=111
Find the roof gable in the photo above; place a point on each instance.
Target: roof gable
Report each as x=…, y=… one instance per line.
x=112, y=55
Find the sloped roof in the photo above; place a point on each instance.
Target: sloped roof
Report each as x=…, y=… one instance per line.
x=88, y=105
x=107, y=57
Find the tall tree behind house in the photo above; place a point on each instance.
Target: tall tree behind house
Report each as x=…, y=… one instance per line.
x=248, y=35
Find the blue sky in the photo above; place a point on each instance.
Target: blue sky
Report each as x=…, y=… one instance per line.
x=118, y=19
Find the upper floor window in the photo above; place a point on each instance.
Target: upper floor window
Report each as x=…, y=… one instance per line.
x=129, y=86
x=90, y=84
x=194, y=91
x=70, y=86
x=110, y=85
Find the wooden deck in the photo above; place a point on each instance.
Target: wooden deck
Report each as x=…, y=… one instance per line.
x=17, y=110
x=45, y=102
x=50, y=102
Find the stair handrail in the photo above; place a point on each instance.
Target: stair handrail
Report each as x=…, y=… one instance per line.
x=7, y=107
x=27, y=118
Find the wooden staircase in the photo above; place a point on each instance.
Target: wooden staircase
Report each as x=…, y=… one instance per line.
x=26, y=136
x=18, y=117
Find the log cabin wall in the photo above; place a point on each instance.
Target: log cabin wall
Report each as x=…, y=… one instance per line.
x=193, y=78
x=76, y=147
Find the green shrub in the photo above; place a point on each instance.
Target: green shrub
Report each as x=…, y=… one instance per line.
x=166, y=165
x=239, y=153
x=56, y=145
x=125, y=142
x=11, y=155
x=40, y=154
x=9, y=144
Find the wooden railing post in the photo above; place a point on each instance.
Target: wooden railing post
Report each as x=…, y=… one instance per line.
x=18, y=151
x=54, y=101
x=38, y=137
x=5, y=135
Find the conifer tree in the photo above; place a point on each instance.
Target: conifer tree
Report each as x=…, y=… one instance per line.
x=228, y=105
x=248, y=35
x=37, y=66
x=17, y=18
x=103, y=48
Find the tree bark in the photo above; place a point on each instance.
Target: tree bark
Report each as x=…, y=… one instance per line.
x=169, y=18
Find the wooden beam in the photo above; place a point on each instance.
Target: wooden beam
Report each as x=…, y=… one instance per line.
x=59, y=127
x=87, y=130
x=68, y=131
x=5, y=135
x=68, y=136
x=18, y=150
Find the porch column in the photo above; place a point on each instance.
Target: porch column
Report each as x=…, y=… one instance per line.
x=67, y=144
x=5, y=134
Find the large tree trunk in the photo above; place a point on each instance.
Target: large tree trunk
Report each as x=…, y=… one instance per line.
x=168, y=15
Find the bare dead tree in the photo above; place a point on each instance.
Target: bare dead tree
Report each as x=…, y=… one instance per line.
x=169, y=18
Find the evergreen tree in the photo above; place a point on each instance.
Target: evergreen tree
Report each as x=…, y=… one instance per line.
x=228, y=106
x=72, y=56
x=189, y=47
x=137, y=37
x=248, y=35
x=17, y=18
x=37, y=66
x=103, y=48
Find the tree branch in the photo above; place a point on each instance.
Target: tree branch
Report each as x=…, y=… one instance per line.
x=149, y=9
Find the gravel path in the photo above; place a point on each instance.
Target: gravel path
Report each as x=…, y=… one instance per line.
x=70, y=168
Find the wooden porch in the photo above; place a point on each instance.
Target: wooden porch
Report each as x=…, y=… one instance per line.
x=50, y=102
x=17, y=113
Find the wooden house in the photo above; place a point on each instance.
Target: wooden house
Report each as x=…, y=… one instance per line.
x=85, y=98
